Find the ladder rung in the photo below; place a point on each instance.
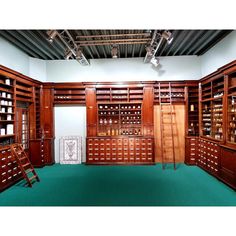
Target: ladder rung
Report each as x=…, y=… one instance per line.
x=28, y=170
x=27, y=164
x=23, y=158
x=33, y=177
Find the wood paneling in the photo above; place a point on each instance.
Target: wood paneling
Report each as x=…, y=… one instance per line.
x=179, y=134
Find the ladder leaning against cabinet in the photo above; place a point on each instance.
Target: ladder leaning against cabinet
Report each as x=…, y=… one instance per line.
x=24, y=163
x=167, y=135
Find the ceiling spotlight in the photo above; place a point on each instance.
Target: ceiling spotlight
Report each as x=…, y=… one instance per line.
x=51, y=35
x=81, y=58
x=168, y=36
x=155, y=61
x=114, y=51
x=68, y=54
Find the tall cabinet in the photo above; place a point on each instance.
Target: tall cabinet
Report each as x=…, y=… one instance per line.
x=120, y=124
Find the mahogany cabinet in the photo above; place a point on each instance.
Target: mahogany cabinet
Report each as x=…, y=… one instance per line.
x=120, y=123
x=42, y=152
x=209, y=156
x=120, y=150
x=228, y=166
x=10, y=172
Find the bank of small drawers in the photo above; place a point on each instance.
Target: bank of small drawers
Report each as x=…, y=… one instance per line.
x=121, y=150
x=191, y=150
x=208, y=156
x=9, y=170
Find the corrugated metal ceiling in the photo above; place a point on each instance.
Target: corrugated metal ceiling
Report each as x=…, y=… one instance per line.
x=185, y=42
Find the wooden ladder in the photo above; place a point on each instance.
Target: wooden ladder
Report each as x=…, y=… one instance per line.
x=164, y=114
x=24, y=163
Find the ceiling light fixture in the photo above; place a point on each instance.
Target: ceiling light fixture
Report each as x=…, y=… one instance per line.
x=51, y=35
x=167, y=35
x=81, y=58
x=68, y=54
x=155, y=61
x=114, y=51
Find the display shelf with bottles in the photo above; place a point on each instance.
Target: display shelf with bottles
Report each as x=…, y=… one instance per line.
x=116, y=119
x=103, y=94
x=136, y=94
x=231, y=116
x=206, y=119
x=177, y=92
x=212, y=91
x=193, y=111
x=69, y=95
x=217, y=119
x=7, y=110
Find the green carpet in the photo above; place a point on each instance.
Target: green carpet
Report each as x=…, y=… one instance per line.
x=81, y=185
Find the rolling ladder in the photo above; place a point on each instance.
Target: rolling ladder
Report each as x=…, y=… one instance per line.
x=24, y=164
x=166, y=113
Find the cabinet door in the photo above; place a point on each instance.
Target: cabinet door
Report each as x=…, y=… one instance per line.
x=36, y=153
x=91, y=107
x=228, y=166
x=47, y=113
x=147, y=108
x=48, y=151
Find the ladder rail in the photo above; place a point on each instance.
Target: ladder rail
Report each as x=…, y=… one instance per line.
x=170, y=113
x=172, y=132
x=18, y=150
x=161, y=127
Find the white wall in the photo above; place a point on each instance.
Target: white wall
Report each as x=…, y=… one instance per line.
x=219, y=55
x=172, y=68
x=13, y=58
x=70, y=120
x=37, y=69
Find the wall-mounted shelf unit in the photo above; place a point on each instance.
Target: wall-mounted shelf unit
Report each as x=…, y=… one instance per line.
x=7, y=110
x=116, y=119
x=69, y=95
x=119, y=94
x=162, y=89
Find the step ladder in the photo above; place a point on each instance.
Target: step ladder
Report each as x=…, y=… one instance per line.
x=166, y=113
x=24, y=163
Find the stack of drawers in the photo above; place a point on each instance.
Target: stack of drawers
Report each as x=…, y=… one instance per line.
x=191, y=150
x=208, y=157
x=9, y=170
x=120, y=150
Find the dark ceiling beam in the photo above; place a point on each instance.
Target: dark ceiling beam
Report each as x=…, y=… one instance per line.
x=204, y=38
x=141, y=50
x=14, y=41
x=209, y=40
x=54, y=45
x=222, y=35
x=133, y=48
x=45, y=46
x=188, y=34
x=196, y=37
x=93, y=48
x=106, y=47
x=103, y=48
x=85, y=48
x=34, y=42
x=26, y=43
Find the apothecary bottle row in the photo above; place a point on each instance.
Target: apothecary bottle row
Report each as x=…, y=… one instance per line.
x=6, y=110
x=119, y=119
